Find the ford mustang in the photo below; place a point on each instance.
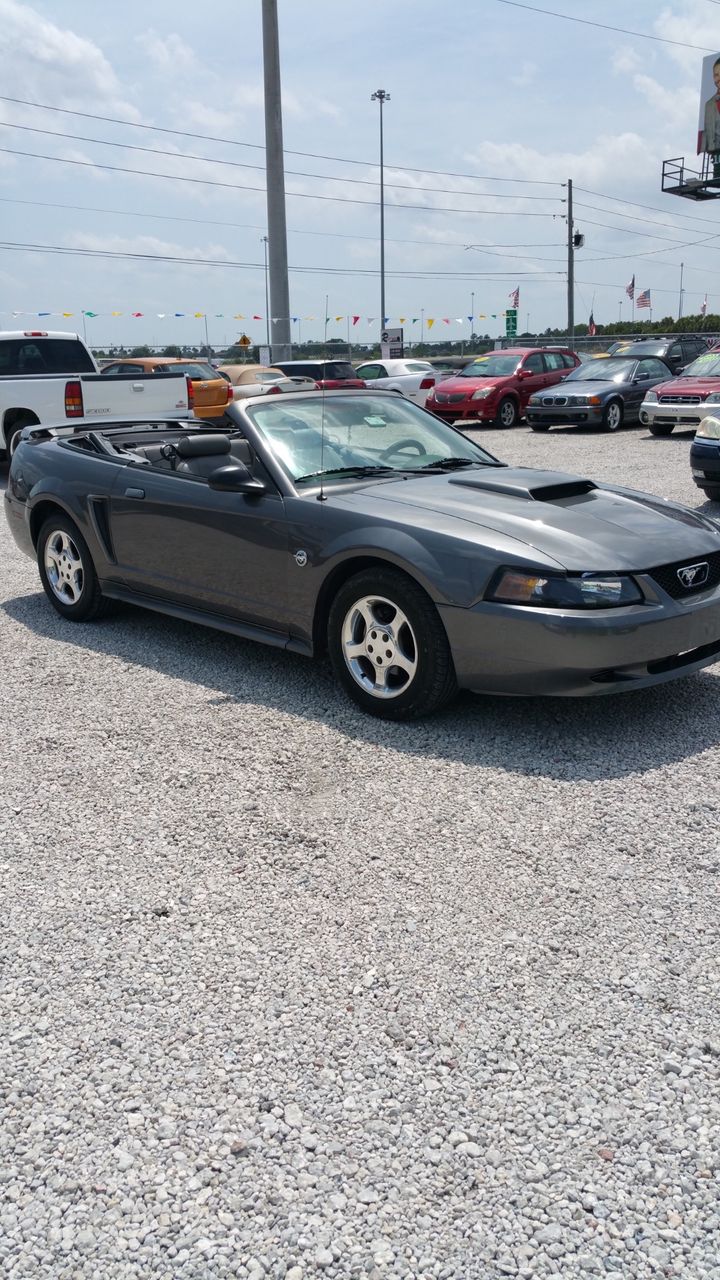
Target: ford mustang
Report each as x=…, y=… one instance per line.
x=359, y=524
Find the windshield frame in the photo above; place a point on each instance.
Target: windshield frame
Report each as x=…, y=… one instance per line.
x=710, y=358
x=600, y=370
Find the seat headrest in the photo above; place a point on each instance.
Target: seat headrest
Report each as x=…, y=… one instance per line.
x=202, y=446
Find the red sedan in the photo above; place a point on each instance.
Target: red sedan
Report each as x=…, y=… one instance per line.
x=496, y=387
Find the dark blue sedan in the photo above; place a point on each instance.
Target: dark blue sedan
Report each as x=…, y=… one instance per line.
x=604, y=393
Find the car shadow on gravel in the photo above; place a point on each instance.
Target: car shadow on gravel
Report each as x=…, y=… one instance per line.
x=561, y=738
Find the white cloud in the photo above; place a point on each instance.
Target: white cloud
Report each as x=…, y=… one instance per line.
x=525, y=74
x=43, y=61
x=168, y=53
x=147, y=245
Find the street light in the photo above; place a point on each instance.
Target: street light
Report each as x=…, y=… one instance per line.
x=381, y=96
x=267, y=295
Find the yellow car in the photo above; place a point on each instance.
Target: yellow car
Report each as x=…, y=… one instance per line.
x=212, y=393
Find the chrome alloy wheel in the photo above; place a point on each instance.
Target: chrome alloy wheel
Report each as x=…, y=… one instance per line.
x=613, y=416
x=64, y=567
x=379, y=647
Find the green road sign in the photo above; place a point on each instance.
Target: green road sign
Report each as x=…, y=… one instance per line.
x=511, y=322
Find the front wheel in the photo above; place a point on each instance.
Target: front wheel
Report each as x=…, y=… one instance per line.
x=67, y=571
x=388, y=647
x=612, y=416
x=660, y=429
x=507, y=412
x=712, y=492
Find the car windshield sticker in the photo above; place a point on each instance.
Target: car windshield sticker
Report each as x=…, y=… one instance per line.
x=375, y=422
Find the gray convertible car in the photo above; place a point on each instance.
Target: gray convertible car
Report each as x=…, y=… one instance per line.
x=357, y=523
x=604, y=392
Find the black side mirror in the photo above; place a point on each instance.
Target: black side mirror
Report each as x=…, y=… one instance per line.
x=235, y=478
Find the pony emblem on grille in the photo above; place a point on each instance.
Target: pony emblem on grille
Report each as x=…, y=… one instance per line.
x=693, y=575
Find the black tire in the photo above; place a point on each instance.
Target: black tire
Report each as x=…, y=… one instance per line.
x=539, y=426
x=660, y=429
x=507, y=414
x=613, y=414
x=362, y=616
x=12, y=435
x=712, y=492
x=72, y=587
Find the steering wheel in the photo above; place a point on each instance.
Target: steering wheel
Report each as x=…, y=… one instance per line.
x=402, y=444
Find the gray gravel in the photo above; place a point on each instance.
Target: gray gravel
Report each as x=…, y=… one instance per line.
x=288, y=992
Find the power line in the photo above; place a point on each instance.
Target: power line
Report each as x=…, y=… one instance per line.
x=603, y=26
x=123, y=255
x=260, y=226
x=239, y=164
x=651, y=207
x=257, y=146
x=239, y=186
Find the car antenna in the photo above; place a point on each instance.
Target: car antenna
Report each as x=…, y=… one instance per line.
x=321, y=496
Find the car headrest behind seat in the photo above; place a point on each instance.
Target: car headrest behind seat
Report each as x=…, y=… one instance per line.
x=202, y=446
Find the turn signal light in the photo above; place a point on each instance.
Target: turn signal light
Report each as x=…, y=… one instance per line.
x=190, y=392
x=230, y=393
x=73, y=399
x=427, y=383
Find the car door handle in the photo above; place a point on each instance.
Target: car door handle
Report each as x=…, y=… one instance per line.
x=134, y=493
x=138, y=386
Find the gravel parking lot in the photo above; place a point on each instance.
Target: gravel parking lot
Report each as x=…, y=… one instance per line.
x=290, y=992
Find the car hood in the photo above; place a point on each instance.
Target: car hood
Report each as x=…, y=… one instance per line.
x=688, y=387
x=566, y=518
x=471, y=384
x=599, y=388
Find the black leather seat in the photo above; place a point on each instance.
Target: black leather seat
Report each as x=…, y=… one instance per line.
x=201, y=455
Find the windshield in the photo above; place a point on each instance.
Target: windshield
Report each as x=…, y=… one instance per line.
x=358, y=431
x=707, y=366
x=491, y=367
x=602, y=371
x=192, y=369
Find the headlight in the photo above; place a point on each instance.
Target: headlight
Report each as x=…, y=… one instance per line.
x=575, y=400
x=558, y=591
x=651, y=397
x=709, y=429
x=482, y=393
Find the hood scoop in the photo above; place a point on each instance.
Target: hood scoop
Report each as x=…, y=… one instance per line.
x=524, y=482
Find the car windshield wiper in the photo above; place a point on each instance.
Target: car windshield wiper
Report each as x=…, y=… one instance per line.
x=355, y=471
x=450, y=464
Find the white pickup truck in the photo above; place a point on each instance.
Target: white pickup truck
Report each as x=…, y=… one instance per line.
x=52, y=377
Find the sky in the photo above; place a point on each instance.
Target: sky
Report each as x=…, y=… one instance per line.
x=492, y=108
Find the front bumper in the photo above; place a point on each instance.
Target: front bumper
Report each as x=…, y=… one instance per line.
x=705, y=462
x=471, y=409
x=505, y=649
x=568, y=415
x=672, y=415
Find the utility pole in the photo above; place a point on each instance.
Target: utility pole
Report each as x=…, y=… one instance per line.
x=267, y=298
x=682, y=268
x=275, y=184
x=570, y=270
x=381, y=96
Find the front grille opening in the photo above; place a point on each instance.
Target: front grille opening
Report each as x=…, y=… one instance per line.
x=666, y=576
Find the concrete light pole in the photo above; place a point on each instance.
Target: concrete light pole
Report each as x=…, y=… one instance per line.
x=267, y=295
x=275, y=183
x=381, y=96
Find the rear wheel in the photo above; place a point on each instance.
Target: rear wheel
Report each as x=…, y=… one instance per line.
x=712, y=492
x=612, y=416
x=13, y=433
x=67, y=571
x=507, y=414
x=388, y=647
x=660, y=429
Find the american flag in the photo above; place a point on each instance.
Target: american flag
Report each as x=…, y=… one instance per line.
x=643, y=299
x=515, y=297
x=703, y=307
x=592, y=330
x=630, y=289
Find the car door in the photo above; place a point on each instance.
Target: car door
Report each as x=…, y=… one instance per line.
x=375, y=373
x=180, y=541
x=650, y=372
x=532, y=377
